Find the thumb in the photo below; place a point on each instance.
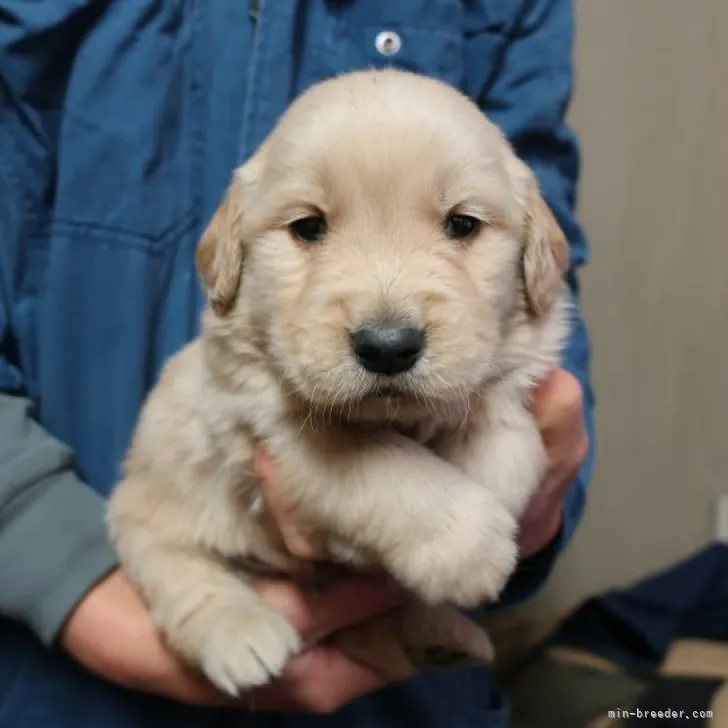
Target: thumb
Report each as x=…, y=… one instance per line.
x=283, y=518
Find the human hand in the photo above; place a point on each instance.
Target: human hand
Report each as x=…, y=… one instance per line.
x=322, y=678
x=557, y=406
x=112, y=635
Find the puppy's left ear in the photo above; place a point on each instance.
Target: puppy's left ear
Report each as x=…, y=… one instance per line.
x=219, y=257
x=545, y=252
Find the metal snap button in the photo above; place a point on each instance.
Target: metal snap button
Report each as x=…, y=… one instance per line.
x=388, y=43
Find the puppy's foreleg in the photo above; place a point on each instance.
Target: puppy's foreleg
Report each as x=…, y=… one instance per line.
x=207, y=613
x=435, y=530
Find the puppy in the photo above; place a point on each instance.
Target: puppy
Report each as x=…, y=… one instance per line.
x=385, y=285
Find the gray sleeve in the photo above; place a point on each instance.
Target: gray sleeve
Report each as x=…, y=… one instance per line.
x=53, y=543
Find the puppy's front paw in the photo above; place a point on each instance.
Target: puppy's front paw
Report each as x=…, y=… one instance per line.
x=237, y=646
x=470, y=560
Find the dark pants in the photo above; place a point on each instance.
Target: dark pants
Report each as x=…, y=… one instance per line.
x=43, y=689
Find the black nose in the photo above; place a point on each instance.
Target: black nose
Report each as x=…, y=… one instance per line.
x=387, y=349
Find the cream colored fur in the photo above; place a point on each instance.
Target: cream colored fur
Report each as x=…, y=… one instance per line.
x=427, y=481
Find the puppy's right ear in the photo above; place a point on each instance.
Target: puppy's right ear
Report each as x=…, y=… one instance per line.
x=220, y=253
x=545, y=249
x=545, y=255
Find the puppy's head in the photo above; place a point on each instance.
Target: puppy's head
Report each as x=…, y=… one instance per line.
x=381, y=244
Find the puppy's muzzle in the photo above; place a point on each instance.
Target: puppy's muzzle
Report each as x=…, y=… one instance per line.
x=387, y=349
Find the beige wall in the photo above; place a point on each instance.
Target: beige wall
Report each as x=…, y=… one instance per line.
x=652, y=112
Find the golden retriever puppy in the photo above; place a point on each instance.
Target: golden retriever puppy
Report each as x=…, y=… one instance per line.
x=385, y=285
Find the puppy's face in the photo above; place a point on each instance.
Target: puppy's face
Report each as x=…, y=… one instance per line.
x=383, y=243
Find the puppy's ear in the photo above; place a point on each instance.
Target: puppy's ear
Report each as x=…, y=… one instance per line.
x=545, y=252
x=220, y=253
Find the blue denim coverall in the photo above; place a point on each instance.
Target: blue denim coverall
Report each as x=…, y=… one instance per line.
x=120, y=123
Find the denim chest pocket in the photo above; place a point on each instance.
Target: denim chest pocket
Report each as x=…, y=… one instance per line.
x=128, y=146
x=446, y=39
x=436, y=52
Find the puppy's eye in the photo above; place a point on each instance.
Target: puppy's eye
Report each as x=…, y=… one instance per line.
x=309, y=229
x=461, y=226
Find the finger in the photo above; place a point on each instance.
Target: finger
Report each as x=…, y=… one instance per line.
x=282, y=516
x=543, y=516
x=557, y=400
x=319, y=681
x=566, y=461
x=542, y=392
x=186, y=686
x=344, y=679
x=350, y=601
x=535, y=534
x=550, y=495
x=347, y=601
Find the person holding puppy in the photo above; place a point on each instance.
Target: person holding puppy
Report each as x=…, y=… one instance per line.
x=121, y=124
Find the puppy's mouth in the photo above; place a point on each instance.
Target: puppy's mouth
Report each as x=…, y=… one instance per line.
x=374, y=393
x=386, y=390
